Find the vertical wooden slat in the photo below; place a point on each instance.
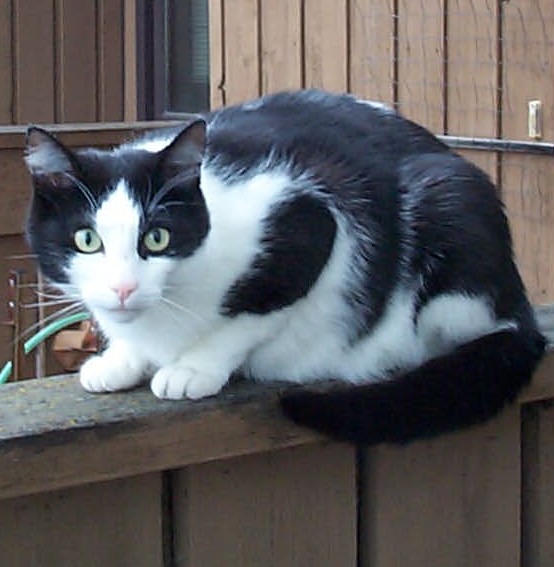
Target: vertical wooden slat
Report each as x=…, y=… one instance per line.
x=6, y=54
x=529, y=196
x=538, y=492
x=452, y=501
x=326, y=44
x=130, y=60
x=293, y=507
x=34, y=61
x=371, y=60
x=76, y=61
x=473, y=72
x=421, y=62
x=281, y=45
x=242, y=61
x=110, y=30
x=115, y=523
x=528, y=68
x=528, y=65
x=473, y=67
x=217, y=54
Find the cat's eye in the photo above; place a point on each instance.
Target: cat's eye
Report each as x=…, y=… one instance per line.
x=156, y=239
x=87, y=241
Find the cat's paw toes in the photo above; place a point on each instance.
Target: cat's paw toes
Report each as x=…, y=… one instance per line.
x=100, y=374
x=177, y=381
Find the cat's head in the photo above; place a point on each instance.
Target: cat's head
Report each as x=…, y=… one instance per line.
x=110, y=226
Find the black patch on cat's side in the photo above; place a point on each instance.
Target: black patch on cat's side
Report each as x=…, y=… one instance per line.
x=459, y=238
x=465, y=387
x=298, y=240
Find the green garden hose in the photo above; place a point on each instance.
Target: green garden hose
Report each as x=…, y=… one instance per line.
x=41, y=336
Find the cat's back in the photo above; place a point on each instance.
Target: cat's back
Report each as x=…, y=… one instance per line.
x=311, y=125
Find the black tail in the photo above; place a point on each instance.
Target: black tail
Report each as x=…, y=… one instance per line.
x=463, y=388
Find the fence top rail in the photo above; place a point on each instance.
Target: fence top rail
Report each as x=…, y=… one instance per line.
x=53, y=434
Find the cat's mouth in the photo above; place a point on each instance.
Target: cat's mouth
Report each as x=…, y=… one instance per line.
x=122, y=314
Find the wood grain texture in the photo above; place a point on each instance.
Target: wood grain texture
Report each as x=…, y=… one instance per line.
x=528, y=65
x=473, y=68
x=6, y=62
x=44, y=422
x=290, y=507
x=538, y=495
x=217, y=54
x=371, y=58
x=34, y=70
x=281, y=45
x=421, y=80
x=76, y=61
x=110, y=61
x=115, y=523
x=528, y=193
x=437, y=503
x=326, y=44
x=242, y=60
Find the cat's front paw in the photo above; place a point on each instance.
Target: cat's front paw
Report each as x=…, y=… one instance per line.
x=108, y=374
x=180, y=380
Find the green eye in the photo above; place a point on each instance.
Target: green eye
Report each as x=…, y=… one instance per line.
x=87, y=241
x=157, y=239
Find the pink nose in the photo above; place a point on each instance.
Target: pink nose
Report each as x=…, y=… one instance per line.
x=124, y=290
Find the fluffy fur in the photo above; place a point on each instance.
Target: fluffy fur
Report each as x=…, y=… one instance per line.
x=307, y=236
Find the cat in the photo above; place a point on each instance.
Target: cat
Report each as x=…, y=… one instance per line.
x=301, y=236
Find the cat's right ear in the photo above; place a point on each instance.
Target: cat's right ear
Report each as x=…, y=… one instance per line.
x=48, y=158
x=187, y=149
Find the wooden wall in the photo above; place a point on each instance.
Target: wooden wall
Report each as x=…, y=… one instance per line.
x=63, y=61
x=129, y=480
x=459, y=68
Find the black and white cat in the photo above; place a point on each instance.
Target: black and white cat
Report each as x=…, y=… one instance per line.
x=298, y=237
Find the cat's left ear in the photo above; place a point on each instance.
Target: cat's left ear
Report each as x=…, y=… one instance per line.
x=45, y=156
x=187, y=149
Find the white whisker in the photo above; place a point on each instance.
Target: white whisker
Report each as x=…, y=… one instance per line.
x=182, y=308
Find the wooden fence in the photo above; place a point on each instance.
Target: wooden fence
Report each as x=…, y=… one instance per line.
x=125, y=479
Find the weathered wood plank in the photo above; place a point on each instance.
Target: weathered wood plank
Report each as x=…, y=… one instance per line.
x=473, y=68
x=34, y=61
x=421, y=80
x=436, y=503
x=76, y=61
x=217, y=54
x=527, y=65
x=529, y=197
x=113, y=523
x=537, y=487
x=44, y=423
x=110, y=42
x=326, y=51
x=371, y=58
x=281, y=45
x=6, y=55
x=290, y=507
x=242, y=58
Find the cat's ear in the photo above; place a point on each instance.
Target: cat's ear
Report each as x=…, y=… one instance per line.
x=46, y=157
x=187, y=149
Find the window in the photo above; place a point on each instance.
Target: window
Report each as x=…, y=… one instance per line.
x=173, y=61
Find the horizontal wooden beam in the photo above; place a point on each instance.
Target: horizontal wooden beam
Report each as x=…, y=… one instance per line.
x=54, y=435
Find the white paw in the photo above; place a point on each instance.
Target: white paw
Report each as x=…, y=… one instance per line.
x=107, y=374
x=180, y=380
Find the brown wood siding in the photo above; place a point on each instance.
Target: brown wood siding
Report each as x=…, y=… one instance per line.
x=62, y=61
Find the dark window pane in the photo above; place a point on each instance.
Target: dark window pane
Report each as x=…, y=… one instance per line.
x=187, y=56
